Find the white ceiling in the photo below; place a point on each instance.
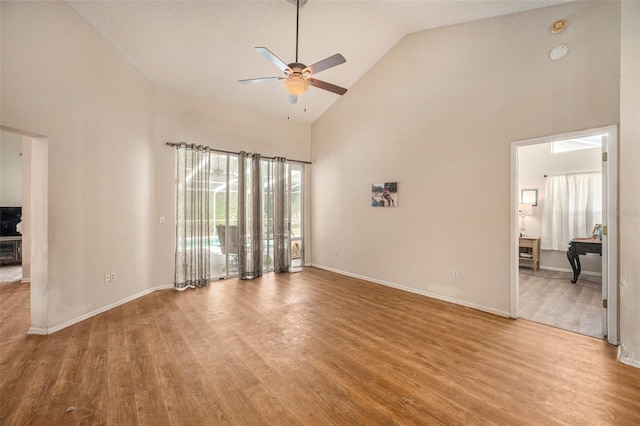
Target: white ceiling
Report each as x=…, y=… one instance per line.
x=204, y=47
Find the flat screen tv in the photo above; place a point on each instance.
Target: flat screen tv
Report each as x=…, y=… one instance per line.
x=10, y=217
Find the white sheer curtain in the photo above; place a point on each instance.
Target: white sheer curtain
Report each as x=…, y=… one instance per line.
x=572, y=206
x=264, y=211
x=262, y=239
x=281, y=216
x=193, y=230
x=249, y=216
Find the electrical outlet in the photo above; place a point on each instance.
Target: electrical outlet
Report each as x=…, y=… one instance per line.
x=113, y=276
x=107, y=278
x=337, y=253
x=455, y=274
x=161, y=219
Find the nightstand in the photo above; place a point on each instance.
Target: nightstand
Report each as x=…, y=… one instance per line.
x=531, y=247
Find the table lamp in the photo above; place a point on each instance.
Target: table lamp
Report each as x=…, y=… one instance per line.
x=524, y=209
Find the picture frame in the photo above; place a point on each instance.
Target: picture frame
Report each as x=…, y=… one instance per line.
x=529, y=196
x=384, y=194
x=596, y=233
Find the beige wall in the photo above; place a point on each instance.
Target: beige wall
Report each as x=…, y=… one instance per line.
x=181, y=117
x=110, y=172
x=536, y=161
x=61, y=79
x=10, y=169
x=437, y=114
x=630, y=184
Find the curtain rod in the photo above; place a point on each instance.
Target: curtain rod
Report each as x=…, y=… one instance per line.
x=574, y=173
x=222, y=151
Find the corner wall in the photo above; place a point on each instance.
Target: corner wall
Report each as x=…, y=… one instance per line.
x=437, y=115
x=111, y=176
x=62, y=80
x=629, y=214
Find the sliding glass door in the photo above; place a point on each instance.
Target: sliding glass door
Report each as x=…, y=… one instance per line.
x=293, y=212
x=223, y=186
x=296, y=181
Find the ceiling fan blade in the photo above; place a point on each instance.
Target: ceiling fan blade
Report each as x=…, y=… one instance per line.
x=327, y=63
x=273, y=58
x=293, y=99
x=260, y=80
x=327, y=86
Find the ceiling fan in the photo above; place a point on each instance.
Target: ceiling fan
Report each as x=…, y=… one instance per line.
x=297, y=76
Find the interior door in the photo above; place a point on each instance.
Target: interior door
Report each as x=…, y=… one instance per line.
x=609, y=236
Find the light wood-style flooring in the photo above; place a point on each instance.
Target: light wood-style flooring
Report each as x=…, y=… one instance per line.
x=548, y=297
x=10, y=274
x=313, y=348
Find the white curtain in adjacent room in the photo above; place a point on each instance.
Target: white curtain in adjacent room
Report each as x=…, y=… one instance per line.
x=193, y=213
x=572, y=206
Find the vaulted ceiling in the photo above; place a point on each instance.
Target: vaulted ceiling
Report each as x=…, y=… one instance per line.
x=204, y=47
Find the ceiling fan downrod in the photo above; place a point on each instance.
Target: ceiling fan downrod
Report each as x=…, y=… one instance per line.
x=297, y=25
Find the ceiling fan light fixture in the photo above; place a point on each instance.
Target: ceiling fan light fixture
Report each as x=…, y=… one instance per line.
x=296, y=85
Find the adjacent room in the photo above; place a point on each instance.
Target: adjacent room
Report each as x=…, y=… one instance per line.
x=310, y=212
x=561, y=200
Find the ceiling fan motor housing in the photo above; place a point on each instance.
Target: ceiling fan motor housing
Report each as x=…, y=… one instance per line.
x=297, y=68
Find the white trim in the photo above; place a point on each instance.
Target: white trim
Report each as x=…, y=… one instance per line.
x=553, y=268
x=25, y=280
x=514, y=240
x=626, y=360
x=610, y=218
x=51, y=330
x=415, y=291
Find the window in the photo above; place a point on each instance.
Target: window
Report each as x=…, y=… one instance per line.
x=569, y=145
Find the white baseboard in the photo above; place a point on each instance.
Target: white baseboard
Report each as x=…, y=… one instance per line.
x=553, y=268
x=416, y=291
x=53, y=329
x=626, y=360
x=25, y=280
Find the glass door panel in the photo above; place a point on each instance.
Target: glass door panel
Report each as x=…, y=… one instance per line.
x=296, y=181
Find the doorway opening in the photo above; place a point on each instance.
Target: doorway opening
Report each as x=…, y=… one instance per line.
x=563, y=251
x=34, y=227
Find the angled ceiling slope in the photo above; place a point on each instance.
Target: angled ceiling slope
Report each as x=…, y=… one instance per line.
x=204, y=47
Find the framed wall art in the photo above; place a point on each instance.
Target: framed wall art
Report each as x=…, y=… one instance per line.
x=384, y=194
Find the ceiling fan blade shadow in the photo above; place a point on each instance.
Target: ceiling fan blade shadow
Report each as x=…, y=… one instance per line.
x=326, y=63
x=273, y=58
x=327, y=86
x=260, y=80
x=292, y=99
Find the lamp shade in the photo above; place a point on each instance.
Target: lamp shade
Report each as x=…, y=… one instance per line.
x=525, y=209
x=296, y=85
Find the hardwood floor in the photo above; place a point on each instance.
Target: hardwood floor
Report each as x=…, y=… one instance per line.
x=10, y=274
x=548, y=297
x=307, y=348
